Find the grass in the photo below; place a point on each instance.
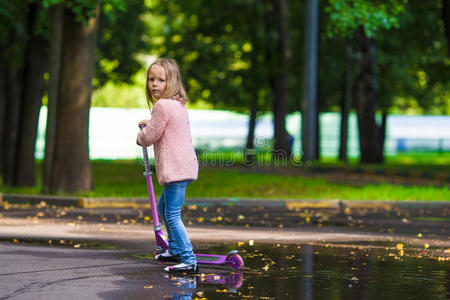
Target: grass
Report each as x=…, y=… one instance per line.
x=123, y=178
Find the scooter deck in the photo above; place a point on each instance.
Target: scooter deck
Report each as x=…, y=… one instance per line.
x=211, y=259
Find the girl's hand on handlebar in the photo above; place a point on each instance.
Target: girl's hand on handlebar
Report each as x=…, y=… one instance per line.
x=143, y=123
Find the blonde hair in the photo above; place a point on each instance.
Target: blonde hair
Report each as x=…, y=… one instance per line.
x=174, y=88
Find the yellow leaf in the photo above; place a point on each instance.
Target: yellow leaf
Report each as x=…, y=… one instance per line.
x=15, y=240
x=399, y=246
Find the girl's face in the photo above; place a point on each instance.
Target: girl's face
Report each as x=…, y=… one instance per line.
x=157, y=81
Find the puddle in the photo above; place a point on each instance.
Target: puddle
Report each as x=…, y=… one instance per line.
x=277, y=271
x=323, y=271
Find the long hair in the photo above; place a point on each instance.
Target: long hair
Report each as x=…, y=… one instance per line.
x=174, y=88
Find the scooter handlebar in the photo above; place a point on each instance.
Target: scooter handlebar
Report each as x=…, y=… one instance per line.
x=145, y=154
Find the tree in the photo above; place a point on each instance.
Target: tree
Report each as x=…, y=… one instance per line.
x=280, y=81
x=116, y=61
x=71, y=170
x=446, y=21
x=55, y=45
x=230, y=62
x=363, y=20
x=35, y=66
x=23, y=63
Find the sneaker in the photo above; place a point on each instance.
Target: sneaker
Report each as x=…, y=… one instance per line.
x=182, y=268
x=168, y=257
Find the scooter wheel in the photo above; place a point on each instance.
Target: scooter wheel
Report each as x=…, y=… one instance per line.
x=235, y=261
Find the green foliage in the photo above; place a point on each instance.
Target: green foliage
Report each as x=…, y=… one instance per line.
x=347, y=15
x=412, y=62
x=411, y=56
x=222, y=54
x=85, y=9
x=121, y=38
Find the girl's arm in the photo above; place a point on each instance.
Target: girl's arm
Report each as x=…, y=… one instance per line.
x=155, y=127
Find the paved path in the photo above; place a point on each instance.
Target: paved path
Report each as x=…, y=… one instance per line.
x=33, y=272
x=141, y=235
x=71, y=269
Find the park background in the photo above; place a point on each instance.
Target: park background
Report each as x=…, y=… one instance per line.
x=251, y=69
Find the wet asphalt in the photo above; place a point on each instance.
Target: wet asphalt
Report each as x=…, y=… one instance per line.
x=71, y=253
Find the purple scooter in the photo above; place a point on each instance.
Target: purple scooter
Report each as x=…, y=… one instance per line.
x=232, y=259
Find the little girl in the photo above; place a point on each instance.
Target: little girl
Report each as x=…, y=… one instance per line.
x=175, y=159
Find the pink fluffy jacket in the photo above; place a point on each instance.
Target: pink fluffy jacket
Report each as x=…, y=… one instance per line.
x=168, y=131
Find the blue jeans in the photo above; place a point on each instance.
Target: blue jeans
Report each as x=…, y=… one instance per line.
x=169, y=207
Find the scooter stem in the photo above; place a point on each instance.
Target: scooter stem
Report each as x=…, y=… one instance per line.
x=151, y=192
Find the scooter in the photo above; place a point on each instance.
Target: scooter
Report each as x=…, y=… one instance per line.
x=232, y=259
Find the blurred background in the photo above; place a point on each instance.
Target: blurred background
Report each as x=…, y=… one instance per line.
x=329, y=83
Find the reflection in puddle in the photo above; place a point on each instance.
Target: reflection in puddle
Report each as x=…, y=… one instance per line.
x=324, y=272
x=187, y=285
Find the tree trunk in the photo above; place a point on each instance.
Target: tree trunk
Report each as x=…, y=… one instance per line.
x=346, y=105
x=382, y=134
x=366, y=98
x=11, y=123
x=316, y=155
x=2, y=108
x=33, y=90
x=281, y=86
x=251, y=125
x=56, y=31
x=71, y=170
x=13, y=53
x=249, y=153
x=446, y=20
